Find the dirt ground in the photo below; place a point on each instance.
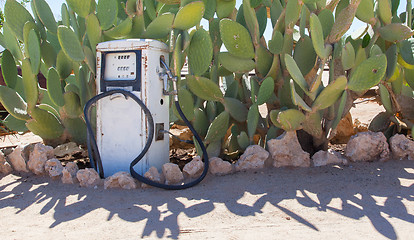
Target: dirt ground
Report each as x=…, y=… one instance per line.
x=357, y=201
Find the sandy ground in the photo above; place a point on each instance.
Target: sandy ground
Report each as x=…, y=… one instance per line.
x=358, y=201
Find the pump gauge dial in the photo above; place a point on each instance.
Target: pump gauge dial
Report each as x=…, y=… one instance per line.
x=120, y=66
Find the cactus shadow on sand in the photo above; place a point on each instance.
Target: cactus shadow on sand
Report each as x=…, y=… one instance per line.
x=379, y=192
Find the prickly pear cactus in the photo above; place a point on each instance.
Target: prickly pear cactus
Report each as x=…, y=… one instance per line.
x=242, y=87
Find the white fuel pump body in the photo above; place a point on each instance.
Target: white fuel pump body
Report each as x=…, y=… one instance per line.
x=121, y=125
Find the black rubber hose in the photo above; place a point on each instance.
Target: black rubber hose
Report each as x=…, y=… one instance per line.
x=94, y=147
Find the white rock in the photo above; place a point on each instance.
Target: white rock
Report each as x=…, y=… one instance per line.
x=120, y=180
x=322, y=158
x=402, y=147
x=286, y=151
x=17, y=160
x=38, y=158
x=69, y=148
x=88, y=177
x=172, y=173
x=194, y=168
x=253, y=158
x=69, y=173
x=5, y=167
x=72, y=168
x=219, y=167
x=367, y=146
x=54, y=168
x=153, y=175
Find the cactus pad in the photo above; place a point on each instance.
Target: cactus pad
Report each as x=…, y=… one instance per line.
x=395, y=32
x=8, y=70
x=368, y=74
x=189, y=15
x=46, y=16
x=265, y=91
x=82, y=7
x=236, y=38
x=54, y=87
x=70, y=44
x=218, y=127
x=160, y=26
x=16, y=16
x=330, y=94
x=236, y=64
x=204, y=88
x=13, y=103
x=200, y=52
x=236, y=109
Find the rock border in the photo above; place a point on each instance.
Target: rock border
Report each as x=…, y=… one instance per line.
x=284, y=151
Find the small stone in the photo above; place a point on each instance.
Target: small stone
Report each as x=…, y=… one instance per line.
x=38, y=158
x=54, y=168
x=69, y=173
x=120, y=180
x=17, y=160
x=287, y=152
x=323, y=158
x=194, y=169
x=219, y=167
x=367, y=146
x=5, y=167
x=172, y=174
x=67, y=149
x=402, y=147
x=254, y=157
x=153, y=175
x=88, y=177
x=72, y=168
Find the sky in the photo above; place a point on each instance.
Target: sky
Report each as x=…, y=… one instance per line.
x=55, y=6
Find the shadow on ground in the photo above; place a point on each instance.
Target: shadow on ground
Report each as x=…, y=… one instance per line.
x=358, y=187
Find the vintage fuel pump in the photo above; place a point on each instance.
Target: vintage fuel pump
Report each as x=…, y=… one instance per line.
x=132, y=110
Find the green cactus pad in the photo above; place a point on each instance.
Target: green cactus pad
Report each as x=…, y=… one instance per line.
x=249, y=18
x=295, y=72
x=236, y=109
x=204, y=88
x=70, y=44
x=186, y=101
x=160, y=27
x=265, y=91
x=33, y=49
x=385, y=99
x=289, y=120
x=200, y=52
x=189, y=15
x=200, y=122
x=326, y=18
x=107, y=11
x=15, y=124
x=65, y=15
x=75, y=129
x=406, y=56
x=218, y=128
x=8, y=69
x=380, y=122
x=11, y=42
x=252, y=120
x=330, y=94
x=30, y=84
x=368, y=74
x=16, y=16
x=48, y=54
x=297, y=100
x=292, y=13
x=391, y=54
x=26, y=30
x=210, y=9
x=50, y=109
x=395, y=32
x=243, y=140
x=121, y=30
x=384, y=11
x=13, y=103
x=348, y=56
x=63, y=65
x=72, y=107
x=365, y=11
x=276, y=43
x=313, y=124
x=375, y=50
x=343, y=22
x=264, y=60
x=82, y=7
x=44, y=124
x=340, y=109
x=225, y=8
x=317, y=36
x=93, y=30
x=304, y=55
x=236, y=64
x=46, y=16
x=236, y=38
x=214, y=30
x=54, y=87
